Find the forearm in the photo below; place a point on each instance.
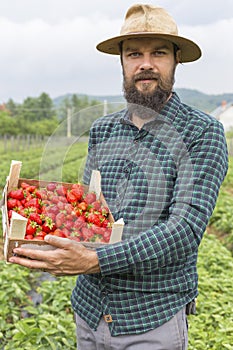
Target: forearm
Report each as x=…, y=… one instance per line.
x=165, y=244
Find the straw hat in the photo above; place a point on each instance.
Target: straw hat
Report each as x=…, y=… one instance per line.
x=150, y=21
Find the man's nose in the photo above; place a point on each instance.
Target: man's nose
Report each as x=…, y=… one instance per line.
x=146, y=63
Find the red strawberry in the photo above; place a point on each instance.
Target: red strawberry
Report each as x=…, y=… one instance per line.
x=31, y=228
x=105, y=211
x=96, y=205
x=107, y=234
x=13, y=203
x=60, y=219
x=94, y=219
x=90, y=197
x=16, y=194
x=80, y=222
x=78, y=191
x=29, y=237
x=48, y=225
x=82, y=206
x=24, y=185
x=87, y=233
x=69, y=208
x=40, y=235
x=68, y=224
x=35, y=217
x=71, y=197
x=58, y=232
x=51, y=186
x=30, y=189
x=61, y=190
x=33, y=202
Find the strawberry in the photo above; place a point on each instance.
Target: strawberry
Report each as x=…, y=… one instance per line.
x=60, y=219
x=78, y=191
x=90, y=197
x=13, y=203
x=68, y=224
x=71, y=197
x=30, y=189
x=31, y=228
x=16, y=194
x=51, y=186
x=107, y=234
x=40, y=235
x=105, y=211
x=96, y=205
x=35, y=217
x=41, y=194
x=24, y=185
x=87, y=233
x=48, y=225
x=82, y=206
x=33, y=202
x=94, y=219
x=97, y=229
x=80, y=222
x=97, y=238
x=29, y=237
x=61, y=190
x=58, y=232
x=69, y=208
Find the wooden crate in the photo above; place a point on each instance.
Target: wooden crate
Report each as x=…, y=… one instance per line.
x=14, y=232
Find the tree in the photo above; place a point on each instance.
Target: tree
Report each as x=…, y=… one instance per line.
x=8, y=124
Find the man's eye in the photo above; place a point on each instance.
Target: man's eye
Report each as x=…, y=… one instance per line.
x=134, y=54
x=159, y=53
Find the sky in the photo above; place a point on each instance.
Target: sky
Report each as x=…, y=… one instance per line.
x=50, y=46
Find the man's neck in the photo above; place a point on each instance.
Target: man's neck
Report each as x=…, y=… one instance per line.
x=139, y=122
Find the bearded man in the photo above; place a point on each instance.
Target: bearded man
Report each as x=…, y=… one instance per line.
x=161, y=163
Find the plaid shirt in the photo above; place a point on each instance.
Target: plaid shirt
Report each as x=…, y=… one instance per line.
x=163, y=180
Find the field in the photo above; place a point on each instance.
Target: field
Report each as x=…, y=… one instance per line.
x=35, y=309
x=59, y=159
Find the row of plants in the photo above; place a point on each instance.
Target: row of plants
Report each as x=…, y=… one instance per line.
x=221, y=220
x=30, y=325
x=49, y=324
x=212, y=326
x=61, y=163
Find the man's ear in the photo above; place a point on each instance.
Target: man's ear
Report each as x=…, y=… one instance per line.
x=178, y=57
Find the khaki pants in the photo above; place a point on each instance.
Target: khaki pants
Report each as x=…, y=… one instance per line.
x=172, y=335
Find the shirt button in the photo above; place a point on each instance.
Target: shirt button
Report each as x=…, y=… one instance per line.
x=108, y=318
x=104, y=292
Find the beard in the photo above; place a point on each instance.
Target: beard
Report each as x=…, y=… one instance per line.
x=147, y=104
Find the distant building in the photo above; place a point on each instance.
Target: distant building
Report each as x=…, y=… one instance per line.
x=224, y=114
x=3, y=107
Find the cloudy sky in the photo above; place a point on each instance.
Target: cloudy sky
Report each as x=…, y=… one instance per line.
x=49, y=46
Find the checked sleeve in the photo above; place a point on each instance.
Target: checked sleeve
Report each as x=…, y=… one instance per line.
x=172, y=240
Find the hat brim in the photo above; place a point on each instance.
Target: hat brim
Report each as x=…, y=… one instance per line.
x=189, y=50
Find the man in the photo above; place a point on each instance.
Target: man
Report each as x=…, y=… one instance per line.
x=162, y=163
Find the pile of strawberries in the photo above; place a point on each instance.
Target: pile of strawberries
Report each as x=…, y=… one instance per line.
x=56, y=210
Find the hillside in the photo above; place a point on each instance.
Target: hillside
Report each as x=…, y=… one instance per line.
x=194, y=98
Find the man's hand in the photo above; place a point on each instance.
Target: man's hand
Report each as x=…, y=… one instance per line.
x=70, y=258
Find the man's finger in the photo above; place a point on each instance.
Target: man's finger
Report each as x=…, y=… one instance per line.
x=31, y=264
x=58, y=242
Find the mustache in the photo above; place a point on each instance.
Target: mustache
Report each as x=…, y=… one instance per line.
x=147, y=75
